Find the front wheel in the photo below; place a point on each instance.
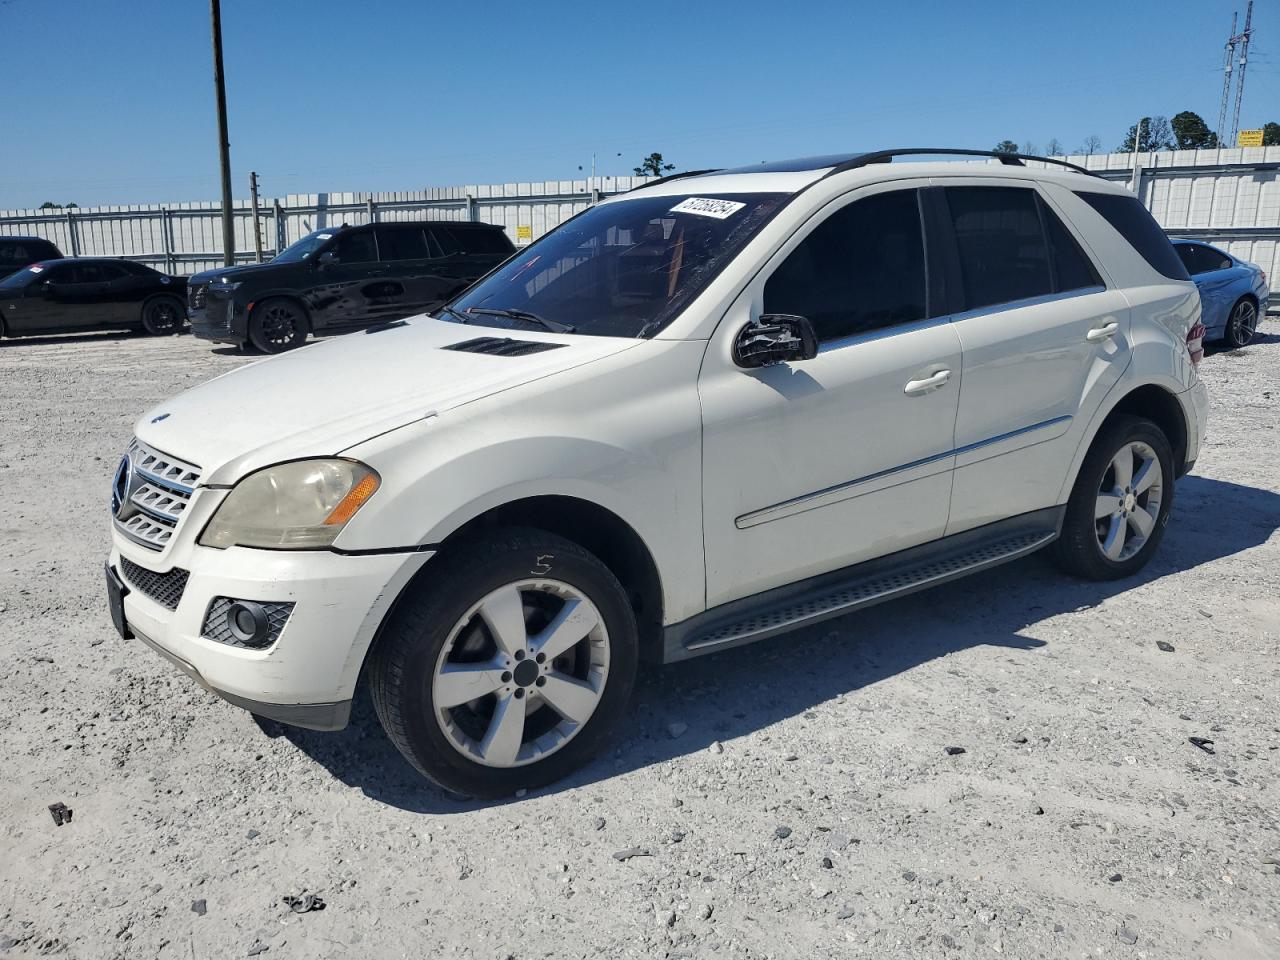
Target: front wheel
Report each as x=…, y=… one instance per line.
x=510, y=668
x=277, y=325
x=1120, y=503
x=162, y=316
x=1242, y=324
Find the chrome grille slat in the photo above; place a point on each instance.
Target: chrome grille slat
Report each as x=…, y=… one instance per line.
x=160, y=488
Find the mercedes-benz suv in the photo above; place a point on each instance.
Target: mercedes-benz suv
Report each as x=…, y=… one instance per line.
x=697, y=414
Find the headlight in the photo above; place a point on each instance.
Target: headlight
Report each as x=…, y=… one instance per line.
x=228, y=285
x=301, y=505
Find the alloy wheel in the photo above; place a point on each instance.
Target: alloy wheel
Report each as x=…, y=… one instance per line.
x=1128, y=502
x=279, y=325
x=521, y=673
x=1245, y=321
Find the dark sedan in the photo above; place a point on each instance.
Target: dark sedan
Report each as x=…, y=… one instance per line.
x=340, y=279
x=82, y=293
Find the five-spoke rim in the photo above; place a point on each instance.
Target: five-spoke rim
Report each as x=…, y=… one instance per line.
x=521, y=673
x=1128, y=503
x=1246, y=321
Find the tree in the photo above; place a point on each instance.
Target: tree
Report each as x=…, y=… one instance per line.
x=50, y=205
x=1005, y=146
x=1156, y=135
x=1030, y=149
x=1271, y=134
x=652, y=166
x=1054, y=148
x=1190, y=132
x=1092, y=144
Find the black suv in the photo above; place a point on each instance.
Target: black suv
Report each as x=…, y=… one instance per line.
x=19, y=252
x=343, y=278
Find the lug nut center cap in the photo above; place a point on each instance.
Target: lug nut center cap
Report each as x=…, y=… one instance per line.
x=525, y=673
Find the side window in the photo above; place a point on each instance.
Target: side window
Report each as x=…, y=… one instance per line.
x=58, y=273
x=15, y=254
x=1217, y=260
x=356, y=248
x=403, y=243
x=443, y=242
x=483, y=242
x=88, y=273
x=1072, y=268
x=861, y=269
x=1132, y=221
x=1188, y=253
x=1003, y=252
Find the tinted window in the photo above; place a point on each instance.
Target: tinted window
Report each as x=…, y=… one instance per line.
x=1072, y=268
x=403, y=243
x=1132, y=221
x=860, y=269
x=1200, y=259
x=96, y=272
x=1002, y=248
x=443, y=242
x=16, y=254
x=482, y=241
x=356, y=248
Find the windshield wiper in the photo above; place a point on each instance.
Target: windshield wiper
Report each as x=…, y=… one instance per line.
x=462, y=317
x=555, y=326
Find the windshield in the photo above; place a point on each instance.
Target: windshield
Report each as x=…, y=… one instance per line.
x=22, y=277
x=622, y=269
x=301, y=249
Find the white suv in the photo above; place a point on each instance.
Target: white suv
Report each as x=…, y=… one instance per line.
x=698, y=414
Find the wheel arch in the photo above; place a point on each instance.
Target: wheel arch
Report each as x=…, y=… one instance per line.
x=151, y=298
x=291, y=295
x=593, y=527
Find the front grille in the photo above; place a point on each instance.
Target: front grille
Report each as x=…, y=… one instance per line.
x=152, y=495
x=196, y=293
x=502, y=346
x=216, y=627
x=164, y=588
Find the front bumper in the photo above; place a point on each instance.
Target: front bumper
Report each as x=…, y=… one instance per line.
x=308, y=676
x=220, y=318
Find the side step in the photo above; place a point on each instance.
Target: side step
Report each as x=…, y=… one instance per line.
x=864, y=585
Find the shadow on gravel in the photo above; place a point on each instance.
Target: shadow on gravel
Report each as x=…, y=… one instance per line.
x=99, y=336
x=735, y=693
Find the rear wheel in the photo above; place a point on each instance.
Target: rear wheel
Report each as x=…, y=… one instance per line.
x=278, y=325
x=512, y=666
x=162, y=316
x=1120, y=503
x=1243, y=323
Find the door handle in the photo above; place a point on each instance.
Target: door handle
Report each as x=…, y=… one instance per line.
x=915, y=388
x=1104, y=332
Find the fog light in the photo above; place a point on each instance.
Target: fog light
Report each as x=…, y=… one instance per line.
x=248, y=623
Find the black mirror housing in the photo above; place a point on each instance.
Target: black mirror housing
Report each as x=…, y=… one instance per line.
x=775, y=338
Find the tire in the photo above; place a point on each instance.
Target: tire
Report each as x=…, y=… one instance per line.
x=163, y=316
x=1242, y=323
x=278, y=324
x=471, y=747
x=1134, y=529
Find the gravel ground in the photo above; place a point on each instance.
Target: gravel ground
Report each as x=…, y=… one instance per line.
x=792, y=799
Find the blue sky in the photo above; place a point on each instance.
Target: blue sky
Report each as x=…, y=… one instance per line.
x=112, y=101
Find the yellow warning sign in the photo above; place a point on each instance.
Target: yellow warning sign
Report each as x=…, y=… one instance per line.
x=524, y=232
x=1249, y=138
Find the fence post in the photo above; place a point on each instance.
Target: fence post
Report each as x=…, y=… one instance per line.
x=166, y=234
x=280, y=238
x=471, y=208
x=373, y=210
x=73, y=234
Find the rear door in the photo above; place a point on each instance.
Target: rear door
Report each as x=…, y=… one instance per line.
x=471, y=250
x=1216, y=276
x=1043, y=337
x=415, y=264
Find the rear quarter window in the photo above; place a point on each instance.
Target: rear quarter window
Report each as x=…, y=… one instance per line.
x=483, y=241
x=1132, y=221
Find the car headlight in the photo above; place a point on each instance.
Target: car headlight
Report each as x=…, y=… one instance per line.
x=301, y=505
x=228, y=285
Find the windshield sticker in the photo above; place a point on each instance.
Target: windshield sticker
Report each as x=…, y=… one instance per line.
x=704, y=207
x=37, y=268
x=324, y=236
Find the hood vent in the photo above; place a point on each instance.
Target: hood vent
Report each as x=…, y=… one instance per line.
x=502, y=346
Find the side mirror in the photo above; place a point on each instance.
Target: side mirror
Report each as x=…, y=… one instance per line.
x=775, y=338
x=327, y=259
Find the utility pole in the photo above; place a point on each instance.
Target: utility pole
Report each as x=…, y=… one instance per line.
x=1244, y=62
x=1226, y=81
x=224, y=145
x=257, y=228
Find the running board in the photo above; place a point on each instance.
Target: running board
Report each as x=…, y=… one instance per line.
x=861, y=586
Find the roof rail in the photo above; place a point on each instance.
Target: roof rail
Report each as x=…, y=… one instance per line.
x=676, y=176
x=1009, y=159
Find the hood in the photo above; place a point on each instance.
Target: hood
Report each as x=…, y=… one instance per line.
x=330, y=395
x=208, y=276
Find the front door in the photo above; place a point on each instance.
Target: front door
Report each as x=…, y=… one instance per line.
x=415, y=265
x=349, y=285
x=815, y=465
